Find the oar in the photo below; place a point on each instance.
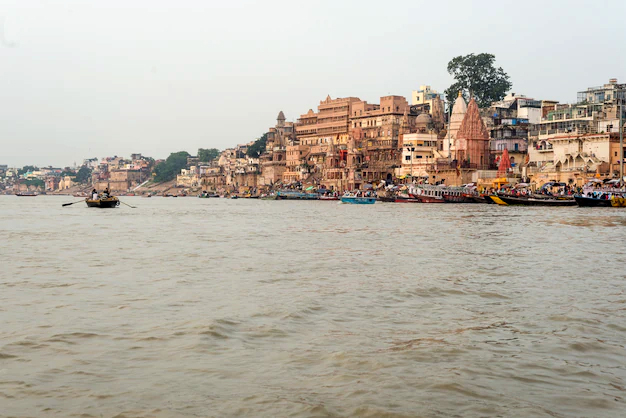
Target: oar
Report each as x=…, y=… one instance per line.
x=67, y=204
x=134, y=207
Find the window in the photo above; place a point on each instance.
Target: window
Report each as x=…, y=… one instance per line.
x=407, y=158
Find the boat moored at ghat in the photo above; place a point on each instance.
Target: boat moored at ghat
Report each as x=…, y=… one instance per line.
x=533, y=201
x=442, y=194
x=358, y=200
x=405, y=198
x=295, y=195
x=103, y=203
x=428, y=194
x=614, y=201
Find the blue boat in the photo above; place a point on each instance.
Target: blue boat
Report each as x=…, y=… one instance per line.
x=295, y=195
x=357, y=200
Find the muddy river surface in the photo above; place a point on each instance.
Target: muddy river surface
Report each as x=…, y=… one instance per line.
x=186, y=307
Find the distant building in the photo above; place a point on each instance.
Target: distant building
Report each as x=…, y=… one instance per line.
x=572, y=142
x=192, y=160
x=188, y=177
x=425, y=95
x=419, y=152
x=273, y=162
x=377, y=129
x=65, y=183
x=508, y=122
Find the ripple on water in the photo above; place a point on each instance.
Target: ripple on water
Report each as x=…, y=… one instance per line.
x=218, y=307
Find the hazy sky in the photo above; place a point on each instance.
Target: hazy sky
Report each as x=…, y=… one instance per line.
x=94, y=78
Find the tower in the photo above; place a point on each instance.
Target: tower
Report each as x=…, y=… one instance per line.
x=458, y=113
x=472, y=143
x=280, y=120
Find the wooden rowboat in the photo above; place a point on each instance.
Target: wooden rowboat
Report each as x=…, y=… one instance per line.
x=105, y=202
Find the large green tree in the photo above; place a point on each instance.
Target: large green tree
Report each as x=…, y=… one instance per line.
x=168, y=169
x=26, y=169
x=477, y=76
x=258, y=147
x=206, y=155
x=35, y=182
x=83, y=175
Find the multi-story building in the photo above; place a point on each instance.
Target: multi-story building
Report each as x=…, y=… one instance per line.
x=419, y=153
x=122, y=180
x=317, y=133
x=377, y=130
x=575, y=141
x=188, y=177
x=425, y=95
x=212, y=178
x=273, y=162
x=574, y=158
x=296, y=167
x=508, y=122
x=333, y=118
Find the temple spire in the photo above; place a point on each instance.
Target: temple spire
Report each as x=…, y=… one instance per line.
x=472, y=126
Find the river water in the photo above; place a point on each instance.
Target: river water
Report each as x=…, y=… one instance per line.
x=222, y=308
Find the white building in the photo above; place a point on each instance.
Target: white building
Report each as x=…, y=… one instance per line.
x=458, y=114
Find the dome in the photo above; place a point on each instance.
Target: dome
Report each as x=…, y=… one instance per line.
x=281, y=116
x=423, y=118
